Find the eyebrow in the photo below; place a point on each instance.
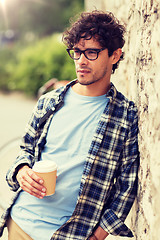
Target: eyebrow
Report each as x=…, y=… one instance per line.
x=76, y=48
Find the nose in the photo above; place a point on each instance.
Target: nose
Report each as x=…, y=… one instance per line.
x=83, y=59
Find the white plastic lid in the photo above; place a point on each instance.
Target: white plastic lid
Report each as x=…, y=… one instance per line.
x=44, y=166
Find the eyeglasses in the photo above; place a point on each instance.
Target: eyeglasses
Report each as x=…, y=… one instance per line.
x=89, y=53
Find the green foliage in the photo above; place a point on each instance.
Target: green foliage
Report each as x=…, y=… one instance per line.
x=7, y=58
x=26, y=68
x=35, y=64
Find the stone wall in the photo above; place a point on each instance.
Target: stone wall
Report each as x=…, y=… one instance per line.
x=139, y=79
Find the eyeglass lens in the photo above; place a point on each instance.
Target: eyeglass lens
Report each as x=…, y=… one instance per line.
x=89, y=54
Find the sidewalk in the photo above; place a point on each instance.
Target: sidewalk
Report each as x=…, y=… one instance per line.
x=15, y=112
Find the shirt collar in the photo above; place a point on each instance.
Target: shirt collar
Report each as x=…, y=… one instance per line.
x=110, y=94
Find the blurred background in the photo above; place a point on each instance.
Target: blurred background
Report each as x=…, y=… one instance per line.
x=31, y=51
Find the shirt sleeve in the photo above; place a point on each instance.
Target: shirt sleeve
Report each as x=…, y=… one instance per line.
x=124, y=190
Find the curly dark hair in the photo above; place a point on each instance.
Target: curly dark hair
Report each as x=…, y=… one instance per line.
x=103, y=26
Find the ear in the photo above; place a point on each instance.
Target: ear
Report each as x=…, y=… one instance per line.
x=116, y=55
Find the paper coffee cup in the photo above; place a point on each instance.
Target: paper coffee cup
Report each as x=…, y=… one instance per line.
x=47, y=170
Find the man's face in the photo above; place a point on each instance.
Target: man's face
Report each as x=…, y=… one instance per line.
x=93, y=71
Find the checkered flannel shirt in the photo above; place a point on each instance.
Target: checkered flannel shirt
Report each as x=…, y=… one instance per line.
x=109, y=181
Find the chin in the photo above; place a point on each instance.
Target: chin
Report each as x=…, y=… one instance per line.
x=86, y=82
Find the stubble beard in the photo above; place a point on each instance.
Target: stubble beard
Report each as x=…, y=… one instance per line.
x=94, y=79
x=87, y=83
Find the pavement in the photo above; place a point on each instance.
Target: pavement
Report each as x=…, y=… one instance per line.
x=15, y=111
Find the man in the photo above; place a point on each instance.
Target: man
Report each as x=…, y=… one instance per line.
x=90, y=130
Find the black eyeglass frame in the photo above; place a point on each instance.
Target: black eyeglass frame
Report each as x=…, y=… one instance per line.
x=83, y=51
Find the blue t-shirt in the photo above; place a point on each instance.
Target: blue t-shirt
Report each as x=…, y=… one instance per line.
x=67, y=143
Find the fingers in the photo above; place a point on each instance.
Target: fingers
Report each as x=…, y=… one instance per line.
x=32, y=190
x=30, y=182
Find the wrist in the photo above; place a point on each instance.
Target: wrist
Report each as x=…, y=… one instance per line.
x=95, y=238
x=100, y=234
x=19, y=168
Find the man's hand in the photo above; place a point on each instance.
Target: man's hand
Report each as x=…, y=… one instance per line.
x=99, y=234
x=30, y=182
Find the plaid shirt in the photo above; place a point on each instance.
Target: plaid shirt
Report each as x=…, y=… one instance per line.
x=109, y=181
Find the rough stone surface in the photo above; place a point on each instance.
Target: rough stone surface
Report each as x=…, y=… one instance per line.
x=138, y=77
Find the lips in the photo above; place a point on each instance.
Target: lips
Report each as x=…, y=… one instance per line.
x=82, y=71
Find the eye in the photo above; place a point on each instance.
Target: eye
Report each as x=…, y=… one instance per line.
x=77, y=52
x=91, y=52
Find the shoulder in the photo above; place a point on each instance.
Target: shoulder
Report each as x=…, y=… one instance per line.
x=54, y=97
x=125, y=102
x=50, y=99
x=124, y=108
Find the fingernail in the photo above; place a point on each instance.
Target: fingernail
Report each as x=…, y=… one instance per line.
x=40, y=181
x=43, y=190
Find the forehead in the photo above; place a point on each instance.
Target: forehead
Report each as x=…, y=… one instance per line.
x=88, y=43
